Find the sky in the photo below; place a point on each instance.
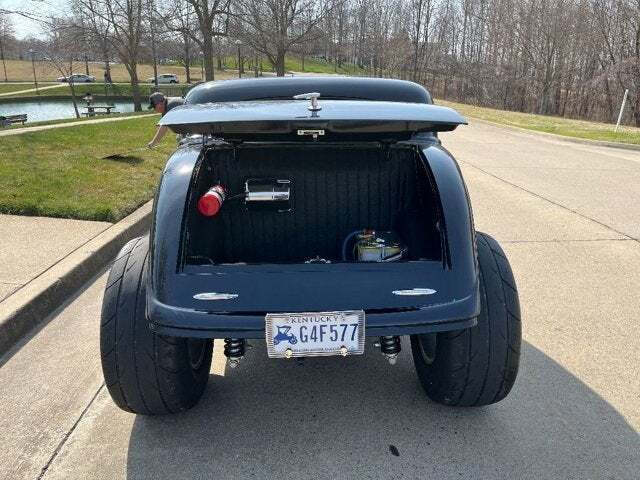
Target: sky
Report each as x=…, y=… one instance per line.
x=25, y=27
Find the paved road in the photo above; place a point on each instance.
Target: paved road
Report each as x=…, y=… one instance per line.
x=568, y=218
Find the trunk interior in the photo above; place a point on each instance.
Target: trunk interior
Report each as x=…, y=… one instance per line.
x=334, y=191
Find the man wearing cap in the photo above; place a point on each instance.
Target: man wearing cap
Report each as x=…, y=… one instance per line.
x=162, y=105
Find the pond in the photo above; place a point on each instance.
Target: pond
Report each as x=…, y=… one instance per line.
x=37, y=111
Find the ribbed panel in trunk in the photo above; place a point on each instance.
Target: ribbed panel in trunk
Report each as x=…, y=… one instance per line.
x=335, y=190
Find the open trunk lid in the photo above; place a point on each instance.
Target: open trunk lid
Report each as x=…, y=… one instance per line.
x=332, y=120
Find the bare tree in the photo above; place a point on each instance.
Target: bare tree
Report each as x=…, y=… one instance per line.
x=124, y=18
x=6, y=32
x=212, y=17
x=60, y=48
x=274, y=27
x=179, y=17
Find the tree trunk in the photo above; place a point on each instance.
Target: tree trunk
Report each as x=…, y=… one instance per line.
x=135, y=87
x=4, y=64
x=280, y=63
x=155, y=57
x=207, y=50
x=74, y=99
x=187, y=59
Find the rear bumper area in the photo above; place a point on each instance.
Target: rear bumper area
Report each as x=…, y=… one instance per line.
x=181, y=322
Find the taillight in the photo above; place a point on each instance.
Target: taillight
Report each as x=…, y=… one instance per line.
x=210, y=203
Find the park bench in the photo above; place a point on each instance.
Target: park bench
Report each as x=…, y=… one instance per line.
x=8, y=120
x=93, y=110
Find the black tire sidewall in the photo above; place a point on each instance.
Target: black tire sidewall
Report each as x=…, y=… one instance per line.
x=478, y=365
x=144, y=372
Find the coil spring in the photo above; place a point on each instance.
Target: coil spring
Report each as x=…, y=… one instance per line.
x=234, y=347
x=390, y=345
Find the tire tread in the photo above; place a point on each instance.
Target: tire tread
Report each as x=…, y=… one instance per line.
x=490, y=351
x=141, y=376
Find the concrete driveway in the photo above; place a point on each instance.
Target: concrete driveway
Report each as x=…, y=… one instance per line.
x=569, y=220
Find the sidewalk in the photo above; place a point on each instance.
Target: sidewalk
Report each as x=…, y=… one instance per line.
x=31, y=245
x=38, y=128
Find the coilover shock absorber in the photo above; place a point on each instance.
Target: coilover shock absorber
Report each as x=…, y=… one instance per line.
x=234, y=349
x=390, y=348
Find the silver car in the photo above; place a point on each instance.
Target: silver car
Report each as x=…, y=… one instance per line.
x=77, y=78
x=164, y=78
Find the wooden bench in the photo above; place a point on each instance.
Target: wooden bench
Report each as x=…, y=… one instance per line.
x=8, y=120
x=93, y=110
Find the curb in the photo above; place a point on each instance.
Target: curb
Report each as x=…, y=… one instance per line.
x=582, y=141
x=30, y=305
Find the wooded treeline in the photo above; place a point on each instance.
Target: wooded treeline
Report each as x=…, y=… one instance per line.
x=570, y=58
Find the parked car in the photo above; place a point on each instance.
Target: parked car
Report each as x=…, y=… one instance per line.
x=164, y=78
x=312, y=213
x=77, y=78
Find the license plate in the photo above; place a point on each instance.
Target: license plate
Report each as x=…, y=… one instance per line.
x=315, y=334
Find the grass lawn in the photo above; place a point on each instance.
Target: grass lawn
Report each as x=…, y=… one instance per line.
x=543, y=123
x=118, y=89
x=59, y=173
x=21, y=71
x=294, y=64
x=74, y=120
x=14, y=87
x=314, y=65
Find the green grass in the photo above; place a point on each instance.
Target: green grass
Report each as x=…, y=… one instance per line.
x=59, y=173
x=543, y=123
x=75, y=120
x=119, y=90
x=14, y=87
x=294, y=63
x=320, y=66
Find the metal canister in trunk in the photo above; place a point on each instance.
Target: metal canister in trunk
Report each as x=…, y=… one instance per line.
x=373, y=246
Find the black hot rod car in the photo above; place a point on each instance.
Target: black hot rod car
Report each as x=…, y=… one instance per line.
x=312, y=213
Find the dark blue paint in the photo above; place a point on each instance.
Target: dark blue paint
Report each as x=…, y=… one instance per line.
x=172, y=309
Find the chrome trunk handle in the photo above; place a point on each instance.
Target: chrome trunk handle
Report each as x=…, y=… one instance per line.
x=313, y=96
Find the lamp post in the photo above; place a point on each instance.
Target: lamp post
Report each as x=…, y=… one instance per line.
x=33, y=65
x=239, y=44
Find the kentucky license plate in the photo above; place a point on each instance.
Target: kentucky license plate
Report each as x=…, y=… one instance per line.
x=315, y=334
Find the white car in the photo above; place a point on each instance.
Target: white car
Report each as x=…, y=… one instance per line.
x=77, y=78
x=164, y=78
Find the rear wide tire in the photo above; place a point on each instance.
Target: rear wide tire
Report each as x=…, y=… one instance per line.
x=476, y=366
x=144, y=372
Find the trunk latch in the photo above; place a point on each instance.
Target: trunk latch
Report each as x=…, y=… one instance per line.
x=313, y=96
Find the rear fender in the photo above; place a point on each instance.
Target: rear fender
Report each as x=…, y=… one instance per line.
x=458, y=225
x=169, y=207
